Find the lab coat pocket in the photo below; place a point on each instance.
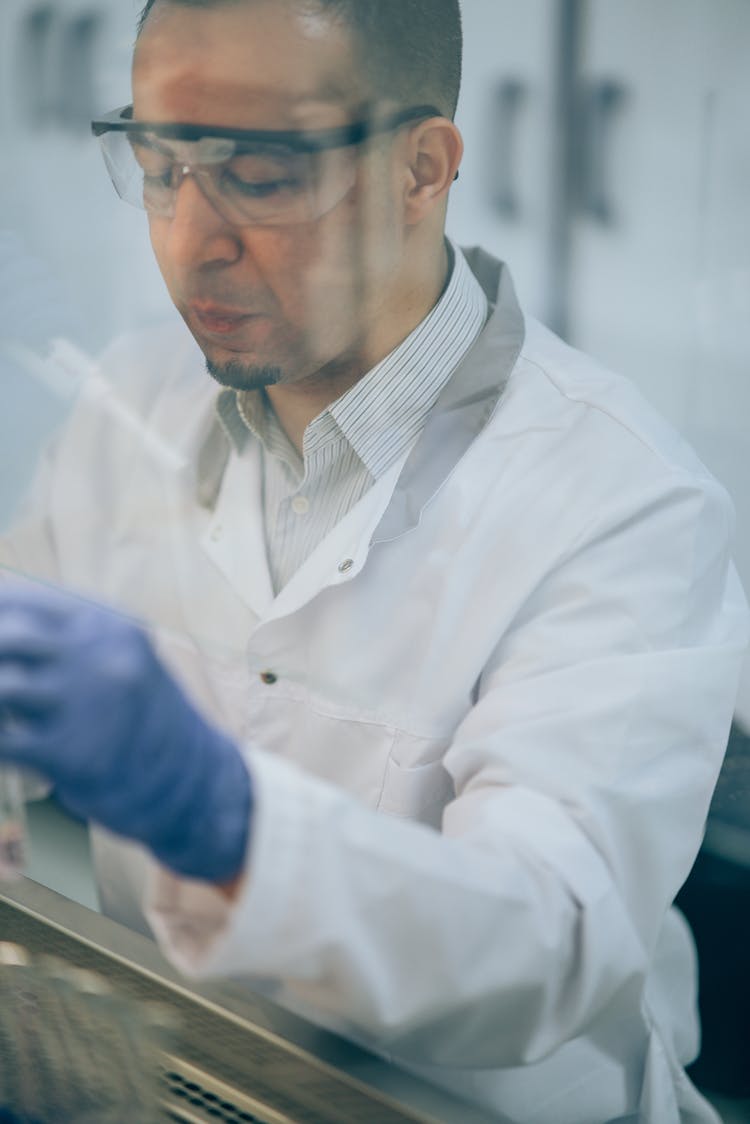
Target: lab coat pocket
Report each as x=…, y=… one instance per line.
x=416, y=785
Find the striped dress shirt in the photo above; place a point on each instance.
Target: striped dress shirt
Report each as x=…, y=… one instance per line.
x=358, y=437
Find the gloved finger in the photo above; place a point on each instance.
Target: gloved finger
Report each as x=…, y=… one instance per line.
x=89, y=619
x=32, y=610
x=29, y=692
x=22, y=638
x=40, y=611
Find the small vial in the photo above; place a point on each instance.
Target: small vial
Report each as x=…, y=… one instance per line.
x=12, y=826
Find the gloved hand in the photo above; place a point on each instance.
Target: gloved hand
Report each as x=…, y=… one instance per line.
x=85, y=700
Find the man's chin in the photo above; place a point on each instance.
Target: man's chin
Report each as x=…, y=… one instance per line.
x=243, y=376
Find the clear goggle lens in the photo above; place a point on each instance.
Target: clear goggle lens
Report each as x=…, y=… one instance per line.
x=248, y=184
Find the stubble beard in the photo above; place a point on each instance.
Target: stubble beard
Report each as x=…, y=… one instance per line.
x=241, y=376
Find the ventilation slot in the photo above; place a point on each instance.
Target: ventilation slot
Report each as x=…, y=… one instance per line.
x=190, y=1096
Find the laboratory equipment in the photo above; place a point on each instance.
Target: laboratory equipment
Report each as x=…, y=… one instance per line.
x=71, y=1048
x=222, y=1053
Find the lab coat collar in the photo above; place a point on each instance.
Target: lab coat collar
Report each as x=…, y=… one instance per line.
x=459, y=415
x=465, y=405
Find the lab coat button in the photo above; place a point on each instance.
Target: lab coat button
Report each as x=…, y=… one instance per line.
x=300, y=505
x=216, y=533
x=346, y=565
x=269, y=678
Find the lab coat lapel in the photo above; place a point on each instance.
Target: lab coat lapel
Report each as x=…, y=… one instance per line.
x=465, y=405
x=235, y=537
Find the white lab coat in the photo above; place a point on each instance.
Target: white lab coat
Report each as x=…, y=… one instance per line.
x=503, y=689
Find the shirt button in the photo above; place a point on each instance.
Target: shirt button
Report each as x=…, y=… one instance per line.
x=346, y=565
x=269, y=678
x=300, y=505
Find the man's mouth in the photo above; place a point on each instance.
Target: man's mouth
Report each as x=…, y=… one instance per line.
x=218, y=320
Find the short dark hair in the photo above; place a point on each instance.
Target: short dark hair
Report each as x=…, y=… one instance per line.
x=409, y=48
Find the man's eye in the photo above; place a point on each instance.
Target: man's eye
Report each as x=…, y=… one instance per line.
x=154, y=165
x=259, y=187
x=163, y=179
x=263, y=177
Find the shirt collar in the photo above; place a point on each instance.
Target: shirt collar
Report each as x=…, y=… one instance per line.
x=382, y=413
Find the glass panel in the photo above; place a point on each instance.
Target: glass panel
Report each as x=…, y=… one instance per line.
x=280, y=425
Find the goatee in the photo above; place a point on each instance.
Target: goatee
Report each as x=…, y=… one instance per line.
x=240, y=376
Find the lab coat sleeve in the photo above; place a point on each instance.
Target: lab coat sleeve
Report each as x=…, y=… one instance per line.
x=583, y=776
x=27, y=549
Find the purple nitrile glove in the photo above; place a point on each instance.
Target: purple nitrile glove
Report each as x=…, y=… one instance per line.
x=85, y=700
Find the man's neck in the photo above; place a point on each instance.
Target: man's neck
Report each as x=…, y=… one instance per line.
x=296, y=404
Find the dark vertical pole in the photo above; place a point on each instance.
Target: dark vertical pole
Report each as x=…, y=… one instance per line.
x=570, y=18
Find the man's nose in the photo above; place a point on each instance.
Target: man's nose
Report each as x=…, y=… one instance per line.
x=198, y=234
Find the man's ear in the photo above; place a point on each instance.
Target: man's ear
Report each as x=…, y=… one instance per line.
x=435, y=151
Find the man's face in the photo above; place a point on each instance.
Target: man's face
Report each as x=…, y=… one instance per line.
x=270, y=303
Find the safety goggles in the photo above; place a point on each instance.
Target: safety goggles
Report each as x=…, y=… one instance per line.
x=252, y=177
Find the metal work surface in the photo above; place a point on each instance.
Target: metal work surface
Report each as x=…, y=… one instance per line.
x=236, y=1057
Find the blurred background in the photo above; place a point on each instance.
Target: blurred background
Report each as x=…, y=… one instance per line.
x=607, y=161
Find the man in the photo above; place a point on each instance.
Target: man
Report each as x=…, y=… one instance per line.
x=454, y=607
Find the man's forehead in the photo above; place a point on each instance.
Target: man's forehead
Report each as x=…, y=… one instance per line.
x=244, y=61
